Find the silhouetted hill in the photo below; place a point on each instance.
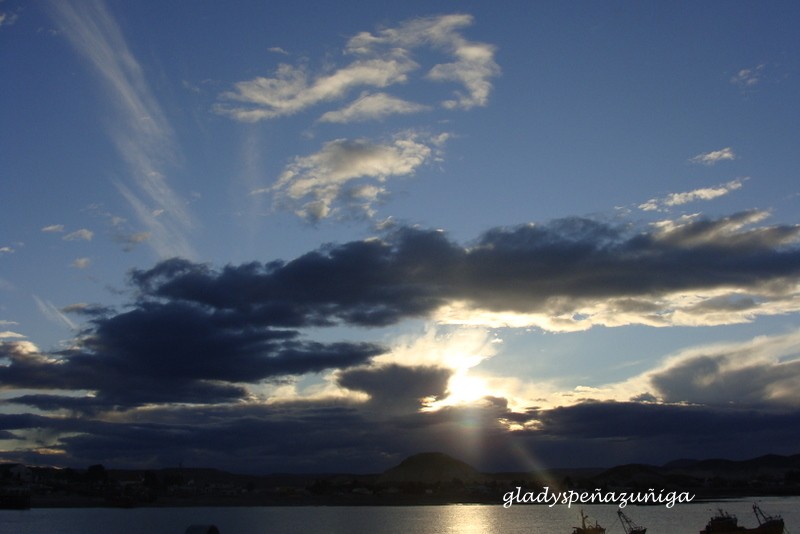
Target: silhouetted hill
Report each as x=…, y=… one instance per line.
x=771, y=474
x=763, y=465
x=632, y=475
x=430, y=468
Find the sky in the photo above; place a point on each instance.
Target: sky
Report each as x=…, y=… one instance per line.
x=312, y=236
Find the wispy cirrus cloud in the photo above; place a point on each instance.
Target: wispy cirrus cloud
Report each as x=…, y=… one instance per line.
x=714, y=157
x=49, y=310
x=349, y=173
x=79, y=235
x=53, y=228
x=141, y=132
x=705, y=193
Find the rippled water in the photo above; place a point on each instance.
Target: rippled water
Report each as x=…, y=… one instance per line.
x=467, y=519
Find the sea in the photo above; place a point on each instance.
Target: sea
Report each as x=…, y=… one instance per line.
x=687, y=518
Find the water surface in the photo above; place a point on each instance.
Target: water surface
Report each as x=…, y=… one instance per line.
x=466, y=519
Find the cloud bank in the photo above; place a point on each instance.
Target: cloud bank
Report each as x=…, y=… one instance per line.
x=567, y=275
x=204, y=354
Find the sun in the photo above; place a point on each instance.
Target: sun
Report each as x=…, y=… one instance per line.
x=462, y=388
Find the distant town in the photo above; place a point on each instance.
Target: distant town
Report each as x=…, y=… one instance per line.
x=426, y=478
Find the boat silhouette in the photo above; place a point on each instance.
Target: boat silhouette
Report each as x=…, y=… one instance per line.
x=628, y=525
x=725, y=523
x=588, y=529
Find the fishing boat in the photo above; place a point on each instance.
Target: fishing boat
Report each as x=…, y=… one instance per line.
x=725, y=523
x=588, y=529
x=628, y=525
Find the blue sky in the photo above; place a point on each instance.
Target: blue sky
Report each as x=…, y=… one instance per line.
x=525, y=215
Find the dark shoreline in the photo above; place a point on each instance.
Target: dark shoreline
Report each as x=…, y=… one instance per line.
x=340, y=500
x=423, y=479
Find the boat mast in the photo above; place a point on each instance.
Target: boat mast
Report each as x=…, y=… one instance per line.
x=627, y=523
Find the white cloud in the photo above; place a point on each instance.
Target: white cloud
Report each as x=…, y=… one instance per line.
x=748, y=78
x=278, y=50
x=372, y=106
x=6, y=250
x=7, y=19
x=706, y=193
x=336, y=174
x=713, y=157
x=291, y=91
x=81, y=263
x=78, y=235
x=384, y=59
x=8, y=334
x=141, y=131
x=474, y=63
x=53, y=228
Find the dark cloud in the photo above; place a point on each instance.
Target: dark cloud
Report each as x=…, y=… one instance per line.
x=172, y=352
x=609, y=433
x=49, y=403
x=88, y=310
x=713, y=380
x=395, y=388
x=338, y=436
x=549, y=269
